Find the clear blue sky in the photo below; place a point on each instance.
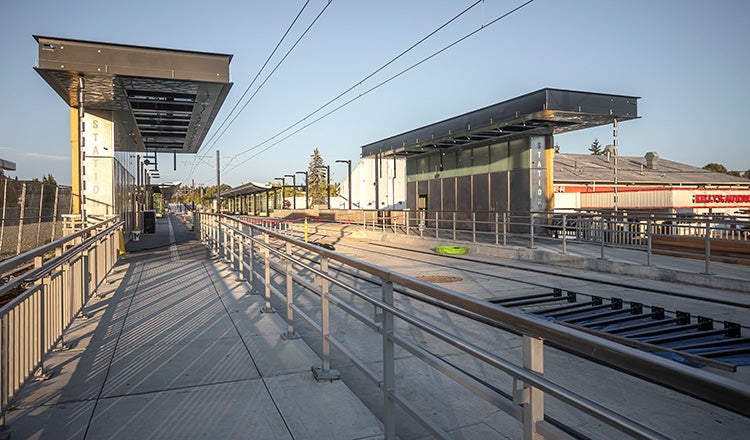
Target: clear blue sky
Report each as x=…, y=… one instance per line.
x=689, y=60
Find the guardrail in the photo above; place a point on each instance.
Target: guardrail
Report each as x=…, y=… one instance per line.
x=706, y=237
x=65, y=275
x=288, y=267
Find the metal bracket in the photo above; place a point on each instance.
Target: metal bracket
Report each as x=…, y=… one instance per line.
x=42, y=374
x=252, y=292
x=289, y=336
x=63, y=346
x=81, y=315
x=321, y=375
x=379, y=314
x=267, y=310
x=521, y=396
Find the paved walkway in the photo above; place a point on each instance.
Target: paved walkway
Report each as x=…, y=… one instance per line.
x=175, y=348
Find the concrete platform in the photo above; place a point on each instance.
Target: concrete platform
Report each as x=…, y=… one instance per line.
x=175, y=349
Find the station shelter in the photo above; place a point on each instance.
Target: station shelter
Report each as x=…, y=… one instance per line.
x=498, y=158
x=129, y=106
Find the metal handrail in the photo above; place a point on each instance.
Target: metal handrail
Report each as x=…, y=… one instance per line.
x=719, y=391
x=58, y=289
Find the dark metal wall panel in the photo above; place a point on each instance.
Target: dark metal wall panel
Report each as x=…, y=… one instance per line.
x=449, y=194
x=463, y=201
x=435, y=195
x=481, y=200
x=499, y=191
x=519, y=195
x=411, y=196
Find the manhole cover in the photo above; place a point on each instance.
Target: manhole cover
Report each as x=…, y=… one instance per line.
x=438, y=279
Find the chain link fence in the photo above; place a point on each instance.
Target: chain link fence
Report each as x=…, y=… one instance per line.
x=31, y=215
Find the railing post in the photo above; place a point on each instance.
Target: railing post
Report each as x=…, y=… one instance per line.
x=406, y=219
x=473, y=227
x=649, y=238
x=531, y=229
x=389, y=370
x=533, y=398
x=708, y=245
x=601, y=234
x=565, y=233
x=267, y=275
x=326, y=372
x=232, y=258
x=454, y=225
x=241, y=257
x=437, y=224
x=505, y=228
x=290, y=333
x=497, y=229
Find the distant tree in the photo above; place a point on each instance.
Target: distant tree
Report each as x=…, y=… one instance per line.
x=716, y=167
x=746, y=174
x=596, y=148
x=557, y=148
x=49, y=180
x=734, y=173
x=316, y=179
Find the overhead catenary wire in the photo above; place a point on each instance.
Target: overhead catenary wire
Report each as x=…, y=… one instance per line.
x=274, y=69
x=219, y=132
x=358, y=83
x=382, y=83
x=257, y=75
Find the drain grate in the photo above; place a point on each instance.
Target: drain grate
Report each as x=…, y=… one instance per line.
x=677, y=335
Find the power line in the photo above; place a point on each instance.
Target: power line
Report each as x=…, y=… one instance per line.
x=273, y=52
x=358, y=83
x=378, y=85
x=274, y=69
x=214, y=136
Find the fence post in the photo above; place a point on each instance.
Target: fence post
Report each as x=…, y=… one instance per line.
x=39, y=222
x=326, y=372
x=21, y=202
x=389, y=376
x=406, y=219
x=565, y=233
x=290, y=333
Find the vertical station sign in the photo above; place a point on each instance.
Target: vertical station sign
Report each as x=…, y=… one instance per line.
x=538, y=169
x=98, y=165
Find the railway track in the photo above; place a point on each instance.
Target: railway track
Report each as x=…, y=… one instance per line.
x=655, y=321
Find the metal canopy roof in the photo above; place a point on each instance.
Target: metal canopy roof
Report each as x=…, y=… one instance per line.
x=544, y=112
x=246, y=189
x=163, y=100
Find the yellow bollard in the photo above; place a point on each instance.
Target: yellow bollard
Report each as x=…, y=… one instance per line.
x=305, y=229
x=122, y=243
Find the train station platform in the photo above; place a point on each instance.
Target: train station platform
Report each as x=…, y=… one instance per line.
x=174, y=347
